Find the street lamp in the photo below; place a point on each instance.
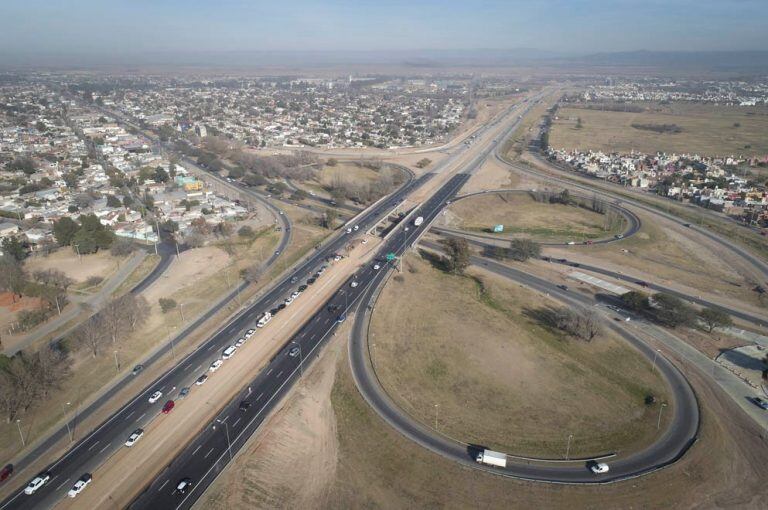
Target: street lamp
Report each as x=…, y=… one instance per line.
x=117, y=363
x=69, y=429
x=437, y=407
x=226, y=430
x=568, y=448
x=181, y=311
x=18, y=424
x=655, y=355
x=658, y=424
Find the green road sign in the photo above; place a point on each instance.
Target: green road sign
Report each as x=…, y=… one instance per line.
x=498, y=228
x=391, y=257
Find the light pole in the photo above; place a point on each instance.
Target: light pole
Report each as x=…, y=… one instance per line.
x=170, y=337
x=77, y=249
x=437, y=407
x=568, y=448
x=655, y=355
x=226, y=430
x=403, y=254
x=69, y=429
x=658, y=423
x=181, y=311
x=117, y=363
x=18, y=424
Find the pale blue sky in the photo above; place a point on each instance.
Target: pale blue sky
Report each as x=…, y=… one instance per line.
x=576, y=26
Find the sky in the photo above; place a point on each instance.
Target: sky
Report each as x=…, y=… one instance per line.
x=136, y=27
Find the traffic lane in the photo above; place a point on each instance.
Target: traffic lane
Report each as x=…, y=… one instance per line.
x=674, y=442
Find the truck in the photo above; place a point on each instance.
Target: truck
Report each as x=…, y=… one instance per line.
x=418, y=221
x=264, y=319
x=492, y=458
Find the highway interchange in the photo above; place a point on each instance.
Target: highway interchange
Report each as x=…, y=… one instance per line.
x=207, y=454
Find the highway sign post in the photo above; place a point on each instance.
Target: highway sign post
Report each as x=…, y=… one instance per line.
x=391, y=257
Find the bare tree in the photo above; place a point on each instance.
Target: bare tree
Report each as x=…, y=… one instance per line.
x=92, y=334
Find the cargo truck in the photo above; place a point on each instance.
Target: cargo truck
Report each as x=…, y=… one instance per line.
x=418, y=221
x=492, y=458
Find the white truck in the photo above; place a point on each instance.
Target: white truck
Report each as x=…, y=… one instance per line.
x=492, y=458
x=264, y=319
x=418, y=221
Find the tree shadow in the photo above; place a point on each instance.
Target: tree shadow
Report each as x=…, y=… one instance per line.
x=546, y=317
x=437, y=261
x=742, y=359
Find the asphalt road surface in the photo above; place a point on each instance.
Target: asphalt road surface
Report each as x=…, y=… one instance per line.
x=675, y=441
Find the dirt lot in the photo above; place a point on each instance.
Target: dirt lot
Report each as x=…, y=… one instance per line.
x=186, y=270
x=706, y=129
x=97, y=264
x=482, y=358
x=492, y=175
x=10, y=307
x=524, y=217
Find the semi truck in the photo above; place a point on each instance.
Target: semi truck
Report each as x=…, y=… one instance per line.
x=418, y=221
x=492, y=458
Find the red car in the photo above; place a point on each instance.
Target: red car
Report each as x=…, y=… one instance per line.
x=6, y=472
x=168, y=407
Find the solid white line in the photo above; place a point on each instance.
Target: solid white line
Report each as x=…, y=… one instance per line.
x=187, y=367
x=198, y=447
x=198, y=367
x=164, y=484
x=211, y=347
x=92, y=446
x=209, y=452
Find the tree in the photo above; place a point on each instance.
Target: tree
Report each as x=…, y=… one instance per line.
x=12, y=277
x=160, y=175
x=636, y=301
x=671, y=311
x=458, y=254
x=113, y=201
x=329, y=218
x=581, y=323
x=523, y=249
x=715, y=318
x=245, y=231
x=91, y=334
x=122, y=247
x=166, y=304
x=14, y=248
x=64, y=230
x=423, y=163
x=332, y=162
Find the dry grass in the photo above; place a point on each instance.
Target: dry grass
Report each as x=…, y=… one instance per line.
x=706, y=129
x=144, y=268
x=346, y=172
x=498, y=377
x=524, y=217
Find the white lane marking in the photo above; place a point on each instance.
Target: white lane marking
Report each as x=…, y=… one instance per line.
x=327, y=320
x=164, y=484
x=225, y=419
x=62, y=483
x=107, y=446
x=236, y=422
x=92, y=446
x=211, y=347
x=209, y=452
x=281, y=373
x=161, y=388
x=132, y=413
x=140, y=417
x=259, y=397
x=270, y=371
x=187, y=367
x=198, y=447
x=198, y=367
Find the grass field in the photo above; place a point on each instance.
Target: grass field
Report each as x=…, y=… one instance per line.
x=706, y=130
x=475, y=363
x=524, y=217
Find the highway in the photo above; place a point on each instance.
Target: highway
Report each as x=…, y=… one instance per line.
x=675, y=441
x=101, y=443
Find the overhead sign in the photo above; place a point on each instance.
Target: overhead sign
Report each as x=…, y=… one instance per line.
x=498, y=228
x=391, y=257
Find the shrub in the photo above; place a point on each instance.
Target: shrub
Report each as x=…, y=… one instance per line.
x=167, y=304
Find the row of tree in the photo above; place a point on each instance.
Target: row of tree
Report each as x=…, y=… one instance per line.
x=672, y=311
x=27, y=380
x=112, y=323
x=87, y=235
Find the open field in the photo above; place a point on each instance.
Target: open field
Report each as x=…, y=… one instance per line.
x=477, y=363
x=516, y=144
x=706, y=129
x=346, y=172
x=492, y=175
x=522, y=216
x=100, y=264
x=669, y=258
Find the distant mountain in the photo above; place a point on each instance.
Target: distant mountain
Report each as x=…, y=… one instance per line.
x=714, y=60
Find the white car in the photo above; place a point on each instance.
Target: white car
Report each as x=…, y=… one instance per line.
x=353, y=284
x=134, y=437
x=215, y=365
x=376, y=267
x=357, y=227
x=349, y=231
x=249, y=333
x=365, y=241
x=288, y=301
x=240, y=342
x=81, y=484
x=155, y=397
x=229, y=352
x=295, y=294
x=36, y=483
x=571, y=243
x=201, y=380
x=599, y=468
x=337, y=258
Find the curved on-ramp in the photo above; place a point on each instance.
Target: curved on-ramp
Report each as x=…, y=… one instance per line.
x=678, y=437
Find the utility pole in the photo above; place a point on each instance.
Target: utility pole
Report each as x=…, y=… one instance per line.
x=69, y=429
x=181, y=311
x=655, y=355
x=568, y=448
x=658, y=423
x=18, y=424
x=437, y=407
x=117, y=363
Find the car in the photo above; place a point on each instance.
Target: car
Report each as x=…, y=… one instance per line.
x=357, y=227
x=332, y=308
x=137, y=369
x=341, y=318
x=294, y=352
x=619, y=236
x=687, y=225
x=364, y=241
x=642, y=283
x=760, y=402
x=36, y=483
x=311, y=281
x=155, y=397
x=168, y=407
x=562, y=287
x=277, y=252
x=215, y=365
x=294, y=279
x=244, y=405
x=376, y=267
x=353, y=284
x=184, y=392
x=281, y=306
x=6, y=472
x=134, y=437
x=184, y=485
x=571, y=243
x=349, y=230
x=274, y=311
x=229, y=352
x=336, y=258
x=322, y=269
x=201, y=380
x=281, y=212
x=288, y=301
x=575, y=264
x=249, y=333
x=588, y=241
x=81, y=484
x=240, y=342
x=295, y=294
x=302, y=288
x=599, y=468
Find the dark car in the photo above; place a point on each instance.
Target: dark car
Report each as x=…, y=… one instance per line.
x=137, y=369
x=294, y=279
x=562, y=287
x=641, y=283
x=760, y=402
x=333, y=308
x=341, y=318
x=302, y=288
x=274, y=311
x=311, y=281
x=281, y=306
x=244, y=405
x=6, y=472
